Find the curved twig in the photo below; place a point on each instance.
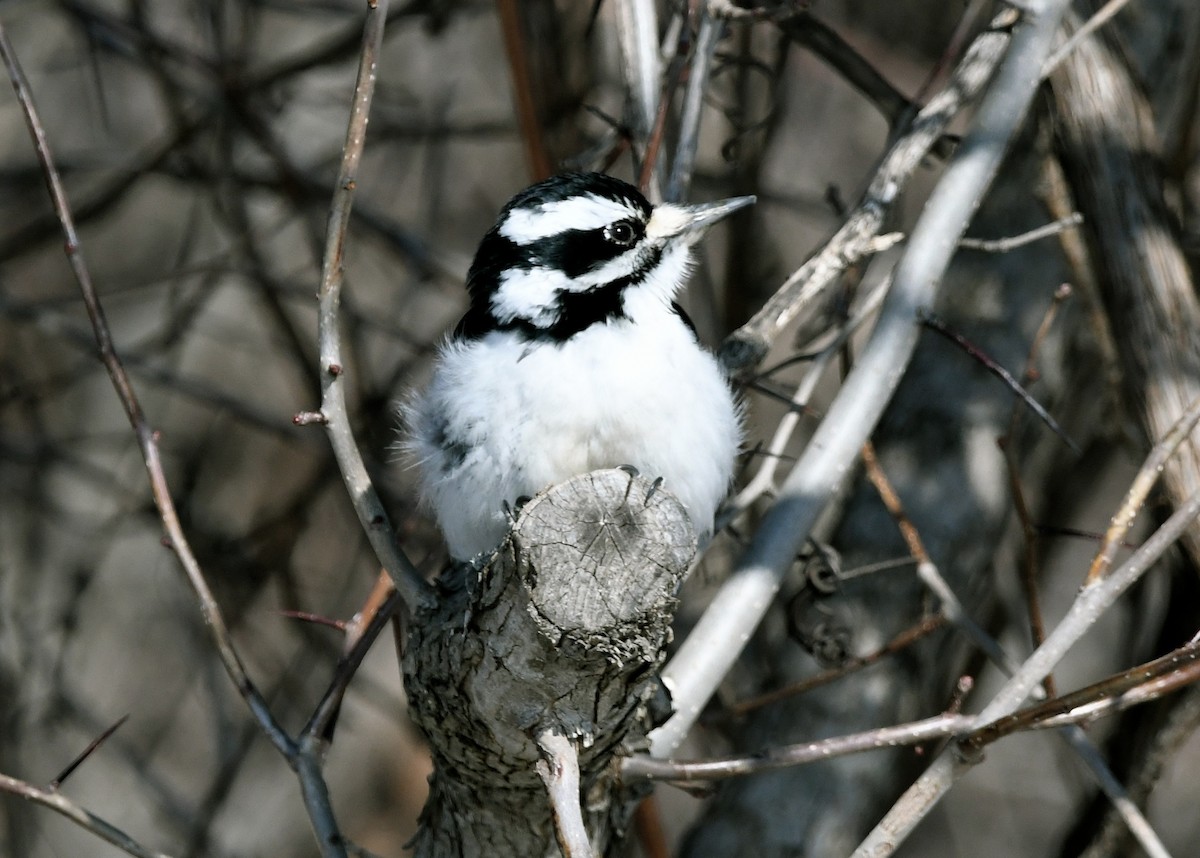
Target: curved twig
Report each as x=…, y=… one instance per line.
x=560, y=772
x=371, y=514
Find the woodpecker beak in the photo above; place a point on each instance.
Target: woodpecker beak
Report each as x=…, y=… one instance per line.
x=691, y=222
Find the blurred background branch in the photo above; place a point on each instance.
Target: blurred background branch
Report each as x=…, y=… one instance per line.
x=199, y=143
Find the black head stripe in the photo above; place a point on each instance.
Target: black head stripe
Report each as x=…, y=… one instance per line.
x=576, y=251
x=577, y=311
x=572, y=251
x=567, y=185
x=496, y=254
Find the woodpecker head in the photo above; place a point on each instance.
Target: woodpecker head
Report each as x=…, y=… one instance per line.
x=566, y=253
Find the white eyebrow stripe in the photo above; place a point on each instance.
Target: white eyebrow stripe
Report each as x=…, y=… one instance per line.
x=525, y=226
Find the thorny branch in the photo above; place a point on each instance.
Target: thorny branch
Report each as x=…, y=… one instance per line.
x=83, y=818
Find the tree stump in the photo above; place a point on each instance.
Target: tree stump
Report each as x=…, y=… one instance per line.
x=561, y=633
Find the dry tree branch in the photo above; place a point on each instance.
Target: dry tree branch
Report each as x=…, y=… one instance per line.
x=931, y=321
x=717, y=639
x=1094, y=23
x=304, y=756
x=559, y=770
x=806, y=30
x=637, y=33
x=536, y=154
x=58, y=780
x=371, y=514
x=913, y=733
x=61, y=804
x=1012, y=242
x=147, y=438
x=1118, y=692
x=1128, y=688
x=1091, y=603
x=747, y=346
x=1109, y=149
x=1028, y=565
x=916, y=632
x=703, y=54
x=312, y=784
x=1144, y=480
x=359, y=641
x=763, y=481
x=650, y=173
x=954, y=610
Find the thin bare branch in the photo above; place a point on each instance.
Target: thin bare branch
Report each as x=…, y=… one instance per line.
x=559, y=770
x=1130, y=687
x=902, y=641
x=1012, y=242
x=637, y=33
x=914, y=733
x=63, y=805
x=703, y=53
x=746, y=347
x=763, y=482
x=1094, y=23
x=935, y=324
x=1145, y=479
x=371, y=513
x=954, y=610
x=515, y=47
x=1029, y=558
x=93, y=745
x=717, y=639
x=359, y=638
x=1091, y=603
x=147, y=438
x=1121, y=691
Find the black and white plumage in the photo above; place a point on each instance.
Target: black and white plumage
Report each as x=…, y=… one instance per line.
x=572, y=357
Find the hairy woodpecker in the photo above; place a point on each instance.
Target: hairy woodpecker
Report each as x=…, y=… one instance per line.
x=573, y=356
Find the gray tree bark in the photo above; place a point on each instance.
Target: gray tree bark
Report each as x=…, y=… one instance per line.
x=561, y=633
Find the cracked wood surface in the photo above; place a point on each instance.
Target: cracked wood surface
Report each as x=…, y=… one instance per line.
x=563, y=632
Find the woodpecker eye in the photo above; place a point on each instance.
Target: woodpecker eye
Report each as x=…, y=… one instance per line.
x=621, y=233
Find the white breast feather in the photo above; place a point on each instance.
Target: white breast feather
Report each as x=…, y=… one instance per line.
x=522, y=416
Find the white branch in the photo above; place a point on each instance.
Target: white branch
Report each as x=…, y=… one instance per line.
x=1091, y=603
x=719, y=637
x=560, y=772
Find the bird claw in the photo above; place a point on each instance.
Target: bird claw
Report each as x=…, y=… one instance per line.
x=629, y=469
x=653, y=488
x=511, y=511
